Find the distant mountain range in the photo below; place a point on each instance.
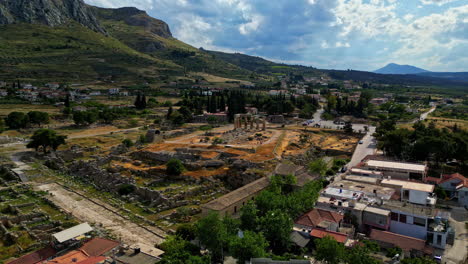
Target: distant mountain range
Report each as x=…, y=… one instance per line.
x=394, y=68
x=68, y=40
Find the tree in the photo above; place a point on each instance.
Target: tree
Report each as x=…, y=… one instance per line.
x=348, y=128
x=174, y=167
x=85, y=117
x=180, y=251
x=329, y=250
x=248, y=217
x=251, y=245
x=186, y=231
x=46, y=138
x=127, y=143
x=169, y=113
x=186, y=113
x=276, y=225
x=17, y=120
x=359, y=255
x=212, y=234
x=2, y=125
x=318, y=166
x=38, y=118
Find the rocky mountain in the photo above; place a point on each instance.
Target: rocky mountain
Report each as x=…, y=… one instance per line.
x=48, y=12
x=132, y=16
x=394, y=68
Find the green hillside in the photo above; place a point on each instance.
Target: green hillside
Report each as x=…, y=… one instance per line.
x=72, y=51
x=150, y=36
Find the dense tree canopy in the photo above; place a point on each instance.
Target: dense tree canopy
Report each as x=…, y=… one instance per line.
x=46, y=138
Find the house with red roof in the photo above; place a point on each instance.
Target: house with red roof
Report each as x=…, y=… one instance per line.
x=339, y=237
x=409, y=245
x=456, y=186
x=319, y=218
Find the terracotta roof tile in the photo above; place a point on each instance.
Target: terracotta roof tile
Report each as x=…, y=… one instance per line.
x=35, y=257
x=449, y=177
x=98, y=246
x=339, y=237
x=317, y=216
x=404, y=242
x=93, y=260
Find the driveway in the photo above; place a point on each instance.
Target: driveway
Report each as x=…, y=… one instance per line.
x=457, y=253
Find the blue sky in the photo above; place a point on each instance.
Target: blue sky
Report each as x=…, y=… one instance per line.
x=338, y=34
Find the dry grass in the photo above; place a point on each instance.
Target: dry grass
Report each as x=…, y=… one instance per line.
x=6, y=109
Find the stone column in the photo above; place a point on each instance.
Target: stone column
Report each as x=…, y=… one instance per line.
x=264, y=125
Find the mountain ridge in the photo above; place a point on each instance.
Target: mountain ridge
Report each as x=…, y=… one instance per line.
x=48, y=12
x=393, y=68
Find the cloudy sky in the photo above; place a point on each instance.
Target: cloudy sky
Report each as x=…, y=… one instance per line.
x=339, y=34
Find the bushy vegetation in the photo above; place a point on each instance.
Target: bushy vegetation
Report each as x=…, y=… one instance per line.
x=423, y=142
x=45, y=139
x=174, y=167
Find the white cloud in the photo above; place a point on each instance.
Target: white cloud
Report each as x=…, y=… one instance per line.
x=340, y=44
x=253, y=25
x=437, y=2
x=408, y=17
x=368, y=19
x=324, y=45
x=140, y=4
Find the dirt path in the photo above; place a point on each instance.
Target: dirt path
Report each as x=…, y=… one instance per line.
x=87, y=211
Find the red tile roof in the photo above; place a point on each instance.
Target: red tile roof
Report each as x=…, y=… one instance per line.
x=433, y=179
x=35, y=257
x=339, y=237
x=92, y=260
x=98, y=246
x=458, y=176
x=404, y=242
x=317, y=216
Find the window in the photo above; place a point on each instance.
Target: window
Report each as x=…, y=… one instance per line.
x=439, y=239
x=235, y=209
x=419, y=221
x=402, y=218
x=394, y=216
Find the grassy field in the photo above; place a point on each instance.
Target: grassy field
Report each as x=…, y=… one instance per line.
x=6, y=109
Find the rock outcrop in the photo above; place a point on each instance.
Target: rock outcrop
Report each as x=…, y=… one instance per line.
x=48, y=12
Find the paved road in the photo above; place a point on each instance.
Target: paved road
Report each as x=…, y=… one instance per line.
x=457, y=253
x=424, y=115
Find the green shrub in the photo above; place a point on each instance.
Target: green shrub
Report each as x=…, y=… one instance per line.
x=174, y=167
x=127, y=142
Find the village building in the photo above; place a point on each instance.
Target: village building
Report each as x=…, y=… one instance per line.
x=378, y=101
x=398, y=170
x=319, y=218
x=413, y=192
x=455, y=185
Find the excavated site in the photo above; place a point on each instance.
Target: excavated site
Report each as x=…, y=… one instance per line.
x=216, y=162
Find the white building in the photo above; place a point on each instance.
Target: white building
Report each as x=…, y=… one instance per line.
x=399, y=170
x=413, y=192
x=114, y=91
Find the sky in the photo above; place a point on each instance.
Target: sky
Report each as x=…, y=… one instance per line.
x=328, y=34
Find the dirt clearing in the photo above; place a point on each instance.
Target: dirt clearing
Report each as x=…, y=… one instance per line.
x=87, y=211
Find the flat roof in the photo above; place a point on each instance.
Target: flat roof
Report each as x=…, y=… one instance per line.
x=357, y=170
x=397, y=165
x=371, y=190
x=378, y=211
x=423, y=187
x=362, y=179
x=409, y=208
x=72, y=232
x=343, y=193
